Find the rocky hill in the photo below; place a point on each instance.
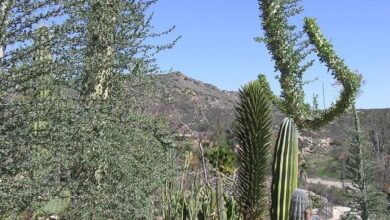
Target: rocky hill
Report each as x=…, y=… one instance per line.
x=205, y=109
x=201, y=106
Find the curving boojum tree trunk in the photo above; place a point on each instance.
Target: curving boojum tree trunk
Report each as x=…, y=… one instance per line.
x=290, y=53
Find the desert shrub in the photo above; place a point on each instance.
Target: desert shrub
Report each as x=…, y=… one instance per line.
x=220, y=151
x=74, y=141
x=333, y=194
x=110, y=163
x=222, y=158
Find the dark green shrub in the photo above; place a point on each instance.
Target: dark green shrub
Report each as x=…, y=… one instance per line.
x=221, y=156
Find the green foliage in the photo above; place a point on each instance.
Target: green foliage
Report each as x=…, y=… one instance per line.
x=111, y=163
x=64, y=150
x=17, y=30
x=284, y=170
x=253, y=134
x=191, y=198
x=299, y=204
x=325, y=167
x=289, y=51
x=115, y=37
x=221, y=156
x=365, y=199
x=266, y=87
x=57, y=205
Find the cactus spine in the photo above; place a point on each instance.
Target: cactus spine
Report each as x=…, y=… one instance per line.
x=284, y=170
x=299, y=204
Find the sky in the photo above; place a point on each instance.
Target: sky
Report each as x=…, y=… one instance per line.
x=218, y=47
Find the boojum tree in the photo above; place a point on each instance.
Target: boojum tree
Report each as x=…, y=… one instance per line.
x=290, y=52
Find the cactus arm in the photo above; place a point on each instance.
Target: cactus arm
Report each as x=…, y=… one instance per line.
x=101, y=33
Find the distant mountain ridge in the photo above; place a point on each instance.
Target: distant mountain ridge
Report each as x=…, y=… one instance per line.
x=196, y=108
x=194, y=100
x=191, y=104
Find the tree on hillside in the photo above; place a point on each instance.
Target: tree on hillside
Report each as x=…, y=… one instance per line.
x=380, y=137
x=366, y=200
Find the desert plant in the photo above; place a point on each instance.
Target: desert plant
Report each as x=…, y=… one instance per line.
x=284, y=170
x=299, y=204
x=253, y=134
x=42, y=87
x=103, y=157
x=289, y=51
x=114, y=38
x=365, y=198
x=197, y=200
x=222, y=157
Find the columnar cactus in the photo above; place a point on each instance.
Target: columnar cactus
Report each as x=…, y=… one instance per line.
x=299, y=204
x=284, y=170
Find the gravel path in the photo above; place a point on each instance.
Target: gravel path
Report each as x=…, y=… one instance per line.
x=338, y=211
x=329, y=183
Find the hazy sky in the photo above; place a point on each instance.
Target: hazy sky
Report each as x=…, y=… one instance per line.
x=218, y=44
